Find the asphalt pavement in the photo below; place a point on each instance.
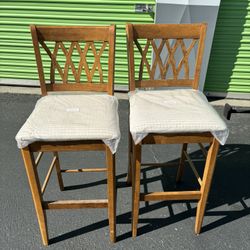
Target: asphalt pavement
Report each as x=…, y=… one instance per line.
x=162, y=225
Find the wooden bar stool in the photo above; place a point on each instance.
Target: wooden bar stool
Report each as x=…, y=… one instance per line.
x=179, y=115
x=72, y=122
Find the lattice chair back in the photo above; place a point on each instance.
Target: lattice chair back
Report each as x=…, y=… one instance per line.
x=165, y=55
x=75, y=58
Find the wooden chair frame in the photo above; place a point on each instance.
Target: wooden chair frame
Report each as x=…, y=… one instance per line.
x=72, y=34
x=178, y=32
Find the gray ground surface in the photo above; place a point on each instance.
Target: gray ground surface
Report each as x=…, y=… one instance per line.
x=162, y=225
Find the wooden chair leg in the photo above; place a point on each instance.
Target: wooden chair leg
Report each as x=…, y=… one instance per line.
x=129, y=174
x=36, y=192
x=206, y=183
x=58, y=171
x=181, y=164
x=136, y=172
x=110, y=161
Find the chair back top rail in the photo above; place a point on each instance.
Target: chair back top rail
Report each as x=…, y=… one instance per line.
x=73, y=33
x=171, y=38
x=89, y=44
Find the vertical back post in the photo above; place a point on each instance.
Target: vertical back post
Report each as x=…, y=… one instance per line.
x=199, y=56
x=112, y=36
x=38, y=59
x=130, y=51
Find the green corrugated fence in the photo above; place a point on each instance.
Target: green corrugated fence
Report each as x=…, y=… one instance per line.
x=17, y=59
x=229, y=65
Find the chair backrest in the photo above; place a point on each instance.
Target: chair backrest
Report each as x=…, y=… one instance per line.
x=172, y=45
x=75, y=58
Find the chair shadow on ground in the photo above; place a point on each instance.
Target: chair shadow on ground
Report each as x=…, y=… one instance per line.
x=230, y=186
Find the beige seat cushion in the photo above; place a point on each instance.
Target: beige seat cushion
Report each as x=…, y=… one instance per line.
x=173, y=111
x=72, y=117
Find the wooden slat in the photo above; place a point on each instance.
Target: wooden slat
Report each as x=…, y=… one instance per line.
x=53, y=58
x=171, y=59
x=204, y=151
x=74, y=204
x=82, y=64
x=97, y=62
x=164, y=83
x=84, y=170
x=83, y=61
x=45, y=183
x=184, y=195
x=67, y=146
x=157, y=59
x=164, y=67
x=77, y=35
x=144, y=60
x=165, y=33
x=52, y=63
x=38, y=158
x=168, y=31
x=178, y=138
x=73, y=33
x=184, y=60
x=191, y=164
x=69, y=63
x=77, y=87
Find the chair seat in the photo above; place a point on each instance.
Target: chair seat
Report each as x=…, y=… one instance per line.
x=173, y=111
x=72, y=117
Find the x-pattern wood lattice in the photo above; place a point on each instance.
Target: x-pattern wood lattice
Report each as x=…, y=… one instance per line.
x=170, y=62
x=83, y=63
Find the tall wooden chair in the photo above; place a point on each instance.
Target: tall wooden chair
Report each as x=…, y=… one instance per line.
x=72, y=122
x=179, y=115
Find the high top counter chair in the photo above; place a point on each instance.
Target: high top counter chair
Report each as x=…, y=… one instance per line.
x=72, y=122
x=177, y=115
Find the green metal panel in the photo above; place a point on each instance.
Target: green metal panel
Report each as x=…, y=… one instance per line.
x=17, y=59
x=229, y=65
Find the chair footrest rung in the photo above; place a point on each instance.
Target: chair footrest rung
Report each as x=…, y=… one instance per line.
x=79, y=170
x=182, y=195
x=72, y=204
